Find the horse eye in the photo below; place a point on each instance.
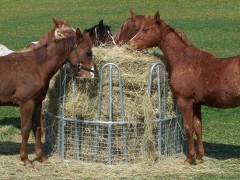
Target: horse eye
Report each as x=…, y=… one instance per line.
x=145, y=30
x=89, y=54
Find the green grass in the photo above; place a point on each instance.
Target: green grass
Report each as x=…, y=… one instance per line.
x=211, y=25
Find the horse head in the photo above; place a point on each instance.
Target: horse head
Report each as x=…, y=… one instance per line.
x=100, y=34
x=149, y=34
x=62, y=29
x=81, y=56
x=131, y=27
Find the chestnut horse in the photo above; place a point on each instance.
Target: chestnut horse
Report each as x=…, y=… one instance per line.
x=130, y=27
x=197, y=77
x=61, y=29
x=100, y=34
x=25, y=80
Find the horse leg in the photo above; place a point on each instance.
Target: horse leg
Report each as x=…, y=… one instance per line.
x=26, y=110
x=197, y=125
x=36, y=127
x=42, y=125
x=186, y=108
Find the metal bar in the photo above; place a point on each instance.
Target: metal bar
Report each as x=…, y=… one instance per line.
x=110, y=116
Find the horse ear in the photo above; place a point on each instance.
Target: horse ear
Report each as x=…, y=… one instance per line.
x=133, y=15
x=100, y=24
x=157, y=17
x=57, y=22
x=149, y=16
x=78, y=34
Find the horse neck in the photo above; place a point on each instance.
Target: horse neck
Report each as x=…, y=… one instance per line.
x=55, y=61
x=47, y=37
x=172, y=45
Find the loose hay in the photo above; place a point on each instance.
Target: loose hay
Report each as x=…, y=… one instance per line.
x=82, y=100
x=82, y=103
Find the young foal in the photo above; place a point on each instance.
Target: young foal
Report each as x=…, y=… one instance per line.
x=100, y=34
x=197, y=77
x=25, y=79
x=61, y=29
x=129, y=28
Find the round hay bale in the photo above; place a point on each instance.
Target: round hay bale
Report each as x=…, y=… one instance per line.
x=82, y=97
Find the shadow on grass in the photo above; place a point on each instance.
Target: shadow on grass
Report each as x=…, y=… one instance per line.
x=218, y=151
x=8, y=148
x=14, y=121
x=221, y=151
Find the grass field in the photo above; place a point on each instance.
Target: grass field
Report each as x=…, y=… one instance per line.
x=212, y=25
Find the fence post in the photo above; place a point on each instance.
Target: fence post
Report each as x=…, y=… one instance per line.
x=110, y=105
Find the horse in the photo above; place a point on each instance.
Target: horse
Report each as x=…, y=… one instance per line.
x=25, y=78
x=100, y=34
x=130, y=27
x=197, y=78
x=61, y=29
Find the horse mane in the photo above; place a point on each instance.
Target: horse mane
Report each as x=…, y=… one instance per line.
x=178, y=33
x=46, y=37
x=62, y=45
x=93, y=27
x=191, y=51
x=41, y=54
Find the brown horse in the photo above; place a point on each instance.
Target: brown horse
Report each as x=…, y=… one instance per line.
x=130, y=27
x=197, y=77
x=25, y=80
x=100, y=34
x=61, y=29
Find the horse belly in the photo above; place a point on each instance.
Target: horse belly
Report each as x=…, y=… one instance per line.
x=225, y=96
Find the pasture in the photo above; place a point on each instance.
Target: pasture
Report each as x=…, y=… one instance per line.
x=210, y=25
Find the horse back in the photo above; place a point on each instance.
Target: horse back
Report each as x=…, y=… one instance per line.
x=19, y=76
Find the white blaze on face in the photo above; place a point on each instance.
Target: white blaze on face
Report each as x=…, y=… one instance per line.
x=58, y=33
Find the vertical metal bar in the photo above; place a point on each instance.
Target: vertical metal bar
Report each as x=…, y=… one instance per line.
x=164, y=91
x=159, y=92
x=110, y=113
x=63, y=140
x=125, y=142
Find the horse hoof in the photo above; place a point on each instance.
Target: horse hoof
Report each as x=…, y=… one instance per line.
x=198, y=161
x=189, y=161
x=44, y=160
x=29, y=166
